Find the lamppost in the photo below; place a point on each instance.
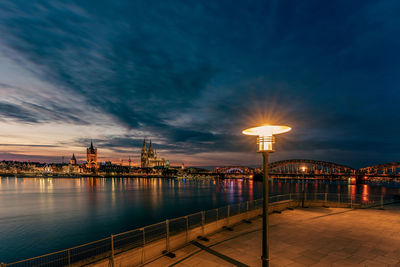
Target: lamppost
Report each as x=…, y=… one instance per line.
x=265, y=140
x=303, y=170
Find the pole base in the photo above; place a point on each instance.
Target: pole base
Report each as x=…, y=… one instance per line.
x=265, y=261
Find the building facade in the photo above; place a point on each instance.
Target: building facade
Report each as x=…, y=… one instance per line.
x=91, y=157
x=149, y=158
x=73, y=160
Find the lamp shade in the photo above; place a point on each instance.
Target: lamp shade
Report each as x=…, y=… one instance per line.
x=266, y=134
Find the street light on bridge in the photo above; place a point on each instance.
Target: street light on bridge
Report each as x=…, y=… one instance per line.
x=265, y=140
x=303, y=170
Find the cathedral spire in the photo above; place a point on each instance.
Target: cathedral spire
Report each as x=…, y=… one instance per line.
x=151, y=151
x=143, y=156
x=144, y=143
x=144, y=147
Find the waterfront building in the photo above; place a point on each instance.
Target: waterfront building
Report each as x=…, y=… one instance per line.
x=91, y=157
x=109, y=168
x=149, y=158
x=73, y=166
x=73, y=160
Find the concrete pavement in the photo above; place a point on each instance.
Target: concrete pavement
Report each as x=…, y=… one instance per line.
x=302, y=237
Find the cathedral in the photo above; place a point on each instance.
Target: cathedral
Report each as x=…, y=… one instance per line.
x=149, y=157
x=91, y=157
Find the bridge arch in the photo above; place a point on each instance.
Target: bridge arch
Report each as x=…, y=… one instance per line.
x=309, y=166
x=234, y=169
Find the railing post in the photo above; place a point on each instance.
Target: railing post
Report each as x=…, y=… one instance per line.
x=202, y=221
x=247, y=210
x=382, y=201
x=144, y=244
x=303, y=193
x=338, y=197
x=112, y=250
x=167, y=233
x=351, y=202
x=69, y=257
x=228, y=214
x=144, y=237
x=187, y=229
x=326, y=199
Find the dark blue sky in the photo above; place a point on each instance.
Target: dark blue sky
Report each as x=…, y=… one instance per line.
x=192, y=74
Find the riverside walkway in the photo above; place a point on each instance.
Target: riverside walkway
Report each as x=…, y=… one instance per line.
x=302, y=237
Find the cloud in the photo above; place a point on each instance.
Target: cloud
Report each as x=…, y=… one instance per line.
x=21, y=157
x=17, y=112
x=193, y=75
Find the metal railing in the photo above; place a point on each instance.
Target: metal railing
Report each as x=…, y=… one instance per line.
x=115, y=244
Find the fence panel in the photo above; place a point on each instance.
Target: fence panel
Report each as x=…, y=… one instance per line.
x=258, y=203
x=234, y=209
x=222, y=212
x=155, y=232
x=210, y=216
x=195, y=220
x=128, y=240
x=51, y=260
x=177, y=225
x=92, y=251
x=252, y=205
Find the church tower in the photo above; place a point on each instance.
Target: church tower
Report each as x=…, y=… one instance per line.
x=91, y=157
x=73, y=160
x=144, y=156
x=151, y=151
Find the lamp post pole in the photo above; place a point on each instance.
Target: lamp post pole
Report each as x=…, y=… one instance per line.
x=265, y=241
x=303, y=170
x=265, y=141
x=303, y=192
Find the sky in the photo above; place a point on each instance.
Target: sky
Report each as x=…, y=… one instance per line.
x=191, y=75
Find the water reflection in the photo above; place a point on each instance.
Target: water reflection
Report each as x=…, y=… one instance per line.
x=353, y=192
x=365, y=193
x=40, y=215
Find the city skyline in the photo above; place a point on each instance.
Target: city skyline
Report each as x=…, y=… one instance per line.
x=192, y=76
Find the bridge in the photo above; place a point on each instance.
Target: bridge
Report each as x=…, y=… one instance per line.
x=385, y=169
x=303, y=168
x=307, y=166
x=234, y=170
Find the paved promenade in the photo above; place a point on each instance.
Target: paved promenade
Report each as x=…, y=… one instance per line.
x=303, y=237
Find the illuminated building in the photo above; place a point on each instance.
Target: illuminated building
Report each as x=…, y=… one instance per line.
x=149, y=157
x=91, y=157
x=73, y=160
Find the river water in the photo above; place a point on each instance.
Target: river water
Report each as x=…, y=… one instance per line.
x=38, y=215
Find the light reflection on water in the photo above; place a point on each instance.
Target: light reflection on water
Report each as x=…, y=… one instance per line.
x=41, y=215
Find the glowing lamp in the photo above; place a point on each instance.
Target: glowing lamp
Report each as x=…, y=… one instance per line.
x=265, y=135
